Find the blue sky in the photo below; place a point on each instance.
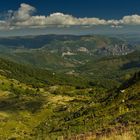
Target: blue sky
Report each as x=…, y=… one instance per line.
x=21, y=17
x=80, y=8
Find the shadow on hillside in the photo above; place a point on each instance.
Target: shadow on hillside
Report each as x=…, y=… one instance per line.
x=18, y=104
x=133, y=64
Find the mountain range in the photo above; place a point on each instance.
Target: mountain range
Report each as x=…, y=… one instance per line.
x=69, y=87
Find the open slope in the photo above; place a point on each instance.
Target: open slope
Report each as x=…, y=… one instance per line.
x=65, y=111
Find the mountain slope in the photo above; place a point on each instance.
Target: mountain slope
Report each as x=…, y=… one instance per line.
x=28, y=112
x=67, y=86
x=95, y=58
x=101, y=115
x=38, y=77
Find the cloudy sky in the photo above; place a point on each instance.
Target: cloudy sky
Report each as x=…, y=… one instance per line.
x=18, y=17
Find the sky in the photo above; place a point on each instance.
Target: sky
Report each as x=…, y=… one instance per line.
x=21, y=17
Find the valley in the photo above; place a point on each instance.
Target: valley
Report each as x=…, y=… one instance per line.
x=63, y=86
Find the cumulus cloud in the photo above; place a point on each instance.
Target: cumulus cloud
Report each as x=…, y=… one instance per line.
x=24, y=13
x=24, y=18
x=133, y=19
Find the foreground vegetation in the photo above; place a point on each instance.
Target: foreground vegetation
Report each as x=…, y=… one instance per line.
x=56, y=111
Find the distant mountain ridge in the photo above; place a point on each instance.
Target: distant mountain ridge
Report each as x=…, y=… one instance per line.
x=96, y=44
x=97, y=59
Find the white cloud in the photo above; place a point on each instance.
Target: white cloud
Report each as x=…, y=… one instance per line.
x=24, y=17
x=24, y=13
x=133, y=19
